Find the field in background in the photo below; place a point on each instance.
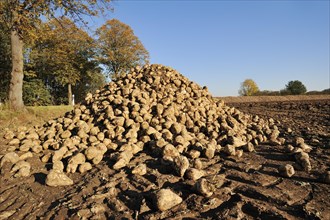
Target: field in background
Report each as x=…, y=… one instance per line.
x=35, y=115
x=239, y=99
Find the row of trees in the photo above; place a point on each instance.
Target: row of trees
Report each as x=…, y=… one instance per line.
x=295, y=87
x=64, y=58
x=58, y=57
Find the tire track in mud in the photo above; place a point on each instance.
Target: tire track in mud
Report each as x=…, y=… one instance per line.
x=103, y=195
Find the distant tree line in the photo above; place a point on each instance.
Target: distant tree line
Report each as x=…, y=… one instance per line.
x=323, y=92
x=46, y=62
x=295, y=87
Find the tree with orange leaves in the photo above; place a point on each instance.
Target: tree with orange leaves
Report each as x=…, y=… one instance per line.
x=21, y=18
x=248, y=88
x=119, y=49
x=62, y=52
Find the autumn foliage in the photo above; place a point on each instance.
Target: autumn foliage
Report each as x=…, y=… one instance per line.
x=57, y=57
x=248, y=88
x=21, y=19
x=62, y=54
x=119, y=49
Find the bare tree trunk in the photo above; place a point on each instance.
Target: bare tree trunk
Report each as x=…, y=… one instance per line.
x=69, y=94
x=16, y=81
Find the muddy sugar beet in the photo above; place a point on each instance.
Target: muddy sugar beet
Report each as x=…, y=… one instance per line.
x=154, y=110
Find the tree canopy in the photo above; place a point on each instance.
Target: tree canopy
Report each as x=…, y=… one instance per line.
x=21, y=17
x=295, y=88
x=248, y=88
x=24, y=15
x=62, y=55
x=119, y=49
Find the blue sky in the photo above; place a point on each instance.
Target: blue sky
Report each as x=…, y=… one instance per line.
x=219, y=44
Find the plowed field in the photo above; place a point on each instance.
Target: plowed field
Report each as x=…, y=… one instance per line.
x=249, y=187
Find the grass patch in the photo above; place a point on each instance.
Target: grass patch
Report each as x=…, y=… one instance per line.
x=48, y=112
x=33, y=115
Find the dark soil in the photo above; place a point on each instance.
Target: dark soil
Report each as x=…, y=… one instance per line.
x=246, y=188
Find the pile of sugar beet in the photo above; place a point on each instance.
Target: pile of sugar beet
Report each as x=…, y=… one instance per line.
x=152, y=110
